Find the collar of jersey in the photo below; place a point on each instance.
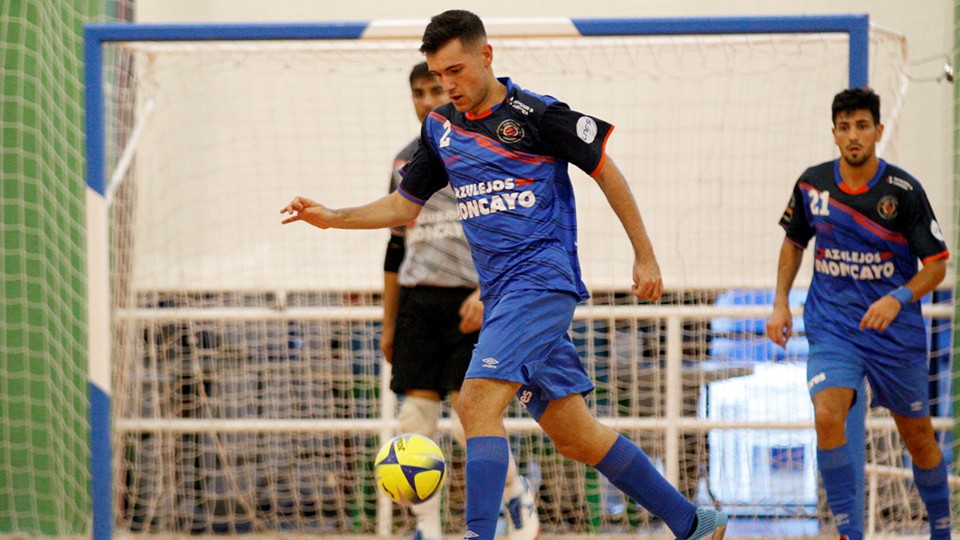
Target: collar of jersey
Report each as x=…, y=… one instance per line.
x=863, y=189
x=506, y=82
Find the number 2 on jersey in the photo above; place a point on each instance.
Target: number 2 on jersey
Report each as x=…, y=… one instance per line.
x=819, y=202
x=445, y=138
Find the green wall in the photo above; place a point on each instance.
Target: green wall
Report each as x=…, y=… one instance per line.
x=43, y=351
x=956, y=246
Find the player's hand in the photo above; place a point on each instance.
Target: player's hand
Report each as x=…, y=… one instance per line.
x=471, y=313
x=310, y=211
x=647, y=282
x=880, y=314
x=780, y=325
x=386, y=344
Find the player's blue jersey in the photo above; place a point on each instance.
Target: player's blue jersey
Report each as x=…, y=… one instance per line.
x=508, y=170
x=867, y=244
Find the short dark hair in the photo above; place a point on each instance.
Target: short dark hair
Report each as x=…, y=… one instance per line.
x=855, y=99
x=452, y=24
x=420, y=71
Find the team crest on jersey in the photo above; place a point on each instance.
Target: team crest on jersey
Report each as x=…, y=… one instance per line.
x=509, y=131
x=887, y=207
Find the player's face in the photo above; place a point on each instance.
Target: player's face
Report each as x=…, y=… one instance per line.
x=464, y=73
x=427, y=95
x=856, y=136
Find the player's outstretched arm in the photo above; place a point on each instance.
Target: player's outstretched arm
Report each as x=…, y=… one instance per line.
x=885, y=309
x=647, y=281
x=389, y=211
x=780, y=323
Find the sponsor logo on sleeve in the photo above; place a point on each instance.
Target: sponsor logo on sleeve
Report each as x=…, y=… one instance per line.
x=935, y=230
x=586, y=129
x=900, y=183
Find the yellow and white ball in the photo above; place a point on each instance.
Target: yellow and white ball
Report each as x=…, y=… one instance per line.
x=410, y=469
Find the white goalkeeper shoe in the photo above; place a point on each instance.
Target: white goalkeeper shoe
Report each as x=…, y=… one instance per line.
x=523, y=522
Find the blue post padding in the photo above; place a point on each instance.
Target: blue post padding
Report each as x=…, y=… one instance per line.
x=103, y=32
x=93, y=101
x=100, y=474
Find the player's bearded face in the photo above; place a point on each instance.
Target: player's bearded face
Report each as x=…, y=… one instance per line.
x=463, y=72
x=427, y=95
x=856, y=135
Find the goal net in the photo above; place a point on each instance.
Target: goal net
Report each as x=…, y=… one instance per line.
x=248, y=393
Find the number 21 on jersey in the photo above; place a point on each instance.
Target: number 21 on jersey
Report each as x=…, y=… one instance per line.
x=819, y=203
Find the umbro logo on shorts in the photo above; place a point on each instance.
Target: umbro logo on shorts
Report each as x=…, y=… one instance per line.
x=470, y=534
x=491, y=363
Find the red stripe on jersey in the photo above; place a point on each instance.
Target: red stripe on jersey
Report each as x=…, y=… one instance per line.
x=492, y=145
x=869, y=224
x=862, y=220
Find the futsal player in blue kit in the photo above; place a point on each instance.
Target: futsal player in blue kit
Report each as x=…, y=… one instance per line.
x=872, y=222
x=431, y=320
x=504, y=151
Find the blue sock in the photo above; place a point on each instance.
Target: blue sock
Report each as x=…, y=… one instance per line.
x=486, y=468
x=839, y=480
x=628, y=468
x=935, y=494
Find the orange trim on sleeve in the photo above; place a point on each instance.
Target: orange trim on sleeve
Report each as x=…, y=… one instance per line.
x=796, y=244
x=942, y=255
x=603, y=152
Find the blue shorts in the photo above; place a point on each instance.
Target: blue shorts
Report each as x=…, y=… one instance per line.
x=899, y=384
x=524, y=339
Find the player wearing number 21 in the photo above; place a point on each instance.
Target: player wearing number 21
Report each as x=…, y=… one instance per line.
x=504, y=151
x=872, y=222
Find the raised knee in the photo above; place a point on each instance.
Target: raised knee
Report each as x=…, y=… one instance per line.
x=922, y=445
x=829, y=421
x=419, y=415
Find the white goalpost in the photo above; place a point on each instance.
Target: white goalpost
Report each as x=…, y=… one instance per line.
x=237, y=381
